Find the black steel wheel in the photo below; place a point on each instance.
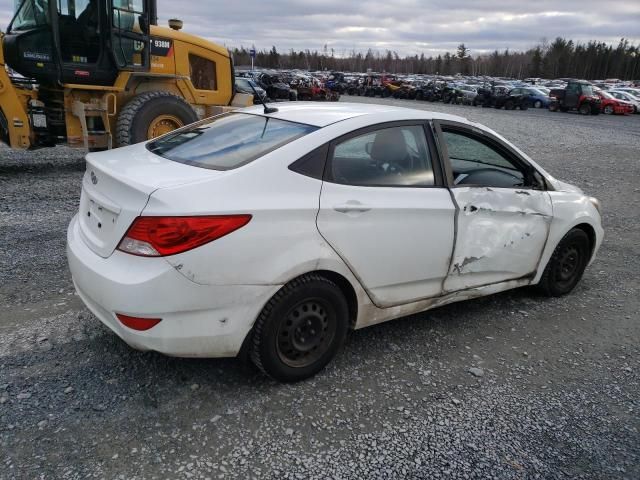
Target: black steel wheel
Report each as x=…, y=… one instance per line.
x=306, y=331
x=567, y=264
x=300, y=329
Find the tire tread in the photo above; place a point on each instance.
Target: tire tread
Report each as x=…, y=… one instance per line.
x=127, y=115
x=280, y=296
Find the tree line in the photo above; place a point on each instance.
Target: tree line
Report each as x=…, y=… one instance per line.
x=558, y=59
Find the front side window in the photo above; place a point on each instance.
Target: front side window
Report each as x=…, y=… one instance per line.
x=202, y=73
x=395, y=156
x=228, y=141
x=476, y=162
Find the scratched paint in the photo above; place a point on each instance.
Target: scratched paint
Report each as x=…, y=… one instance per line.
x=501, y=235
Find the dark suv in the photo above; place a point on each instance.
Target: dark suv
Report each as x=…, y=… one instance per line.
x=578, y=95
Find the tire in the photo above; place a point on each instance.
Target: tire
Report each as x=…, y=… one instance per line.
x=553, y=107
x=137, y=116
x=585, y=109
x=293, y=95
x=524, y=106
x=567, y=264
x=509, y=105
x=537, y=104
x=285, y=343
x=608, y=110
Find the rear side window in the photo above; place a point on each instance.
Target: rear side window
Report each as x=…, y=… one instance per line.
x=390, y=157
x=228, y=141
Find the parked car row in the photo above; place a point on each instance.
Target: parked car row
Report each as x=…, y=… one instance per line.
x=557, y=95
x=287, y=85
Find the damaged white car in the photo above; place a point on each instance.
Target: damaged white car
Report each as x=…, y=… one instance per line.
x=276, y=232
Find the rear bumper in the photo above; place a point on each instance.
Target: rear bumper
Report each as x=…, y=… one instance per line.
x=197, y=320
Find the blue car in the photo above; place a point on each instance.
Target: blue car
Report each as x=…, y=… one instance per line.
x=537, y=98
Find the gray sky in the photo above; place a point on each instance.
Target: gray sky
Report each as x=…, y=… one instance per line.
x=406, y=26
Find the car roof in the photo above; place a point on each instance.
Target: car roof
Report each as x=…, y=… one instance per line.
x=323, y=114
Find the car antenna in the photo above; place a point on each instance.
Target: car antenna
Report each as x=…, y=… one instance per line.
x=264, y=104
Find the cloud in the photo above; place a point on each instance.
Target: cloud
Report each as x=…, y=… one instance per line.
x=405, y=26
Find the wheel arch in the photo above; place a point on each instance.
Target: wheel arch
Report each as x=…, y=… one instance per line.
x=340, y=280
x=594, y=233
x=347, y=290
x=591, y=233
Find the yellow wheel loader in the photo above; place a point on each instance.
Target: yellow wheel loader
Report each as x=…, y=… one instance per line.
x=100, y=73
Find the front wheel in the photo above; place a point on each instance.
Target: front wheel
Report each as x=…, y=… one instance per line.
x=567, y=264
x=608, y=110
x=300, y=329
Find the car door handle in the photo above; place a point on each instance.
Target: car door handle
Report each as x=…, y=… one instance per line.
x=349, y=207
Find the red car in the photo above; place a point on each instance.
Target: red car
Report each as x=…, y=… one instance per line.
x=610, y=105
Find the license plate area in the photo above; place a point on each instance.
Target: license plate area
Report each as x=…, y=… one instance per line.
x=100, y=220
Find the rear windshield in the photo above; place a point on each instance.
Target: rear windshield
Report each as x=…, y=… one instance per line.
x=228, y=141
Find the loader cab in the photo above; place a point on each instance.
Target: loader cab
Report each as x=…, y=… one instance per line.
x=79, y=41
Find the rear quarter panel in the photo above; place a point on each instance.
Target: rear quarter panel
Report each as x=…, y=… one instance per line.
x=279, y=243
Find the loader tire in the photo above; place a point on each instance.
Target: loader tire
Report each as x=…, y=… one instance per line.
x=150, y=115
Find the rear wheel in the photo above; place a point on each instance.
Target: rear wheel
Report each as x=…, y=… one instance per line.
x=300, y=329
x=537, y=104
x=150, y=115
x=567, y=264
x=585, y=109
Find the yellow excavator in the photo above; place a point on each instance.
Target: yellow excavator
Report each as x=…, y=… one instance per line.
x=101, y=73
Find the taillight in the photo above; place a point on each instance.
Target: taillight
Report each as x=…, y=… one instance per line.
x=161, y=236
x=138, y=323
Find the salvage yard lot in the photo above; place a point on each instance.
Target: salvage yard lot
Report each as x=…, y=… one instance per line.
x=514, y=385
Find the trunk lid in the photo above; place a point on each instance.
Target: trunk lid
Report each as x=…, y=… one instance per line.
x=116, y=187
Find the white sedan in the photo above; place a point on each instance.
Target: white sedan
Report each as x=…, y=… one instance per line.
x=274, y=234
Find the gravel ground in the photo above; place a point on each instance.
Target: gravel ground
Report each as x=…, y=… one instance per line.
x=512, y=386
